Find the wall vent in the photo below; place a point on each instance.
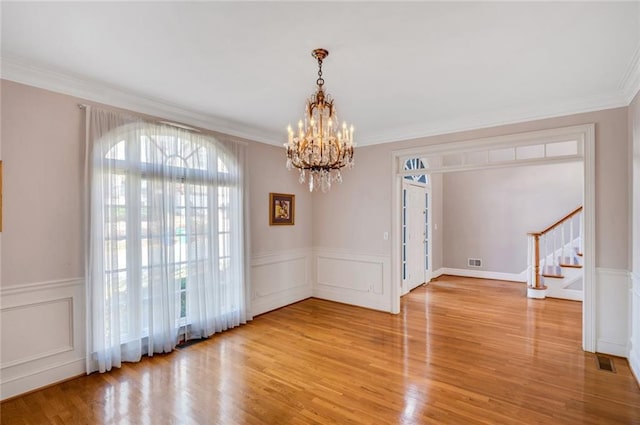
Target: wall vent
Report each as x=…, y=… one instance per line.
x=474, y=262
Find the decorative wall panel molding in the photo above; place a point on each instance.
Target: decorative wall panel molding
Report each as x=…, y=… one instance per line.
x=612, y=306
x=352, y=278
x=634, y=340
x=43, y=334
x=26, y=347
x=279, y=279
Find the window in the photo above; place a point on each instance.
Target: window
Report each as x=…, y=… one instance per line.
x=416, y=164
x=166, y=239
x=404, y=234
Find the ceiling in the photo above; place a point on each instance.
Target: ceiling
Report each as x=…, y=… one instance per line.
x=397, y=70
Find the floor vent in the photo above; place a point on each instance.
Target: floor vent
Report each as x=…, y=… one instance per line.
x=605, y=363
x=190, y=343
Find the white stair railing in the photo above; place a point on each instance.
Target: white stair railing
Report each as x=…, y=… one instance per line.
x=548, y=249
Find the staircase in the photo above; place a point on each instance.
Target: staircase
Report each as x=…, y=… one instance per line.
x=555, y=259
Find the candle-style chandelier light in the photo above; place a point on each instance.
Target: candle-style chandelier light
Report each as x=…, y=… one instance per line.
x=321, y=146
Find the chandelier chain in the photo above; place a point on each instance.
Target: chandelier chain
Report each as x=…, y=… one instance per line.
x=320, y=80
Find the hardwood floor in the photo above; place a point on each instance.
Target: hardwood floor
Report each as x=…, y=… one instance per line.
x=463, y=351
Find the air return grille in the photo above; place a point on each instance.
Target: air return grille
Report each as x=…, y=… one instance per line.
x=474, y=262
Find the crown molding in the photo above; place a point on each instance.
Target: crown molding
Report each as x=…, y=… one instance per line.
x=630, y=82
x=501, y=117
x=24, y=72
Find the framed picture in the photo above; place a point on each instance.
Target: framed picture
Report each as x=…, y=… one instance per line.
x=282, y=209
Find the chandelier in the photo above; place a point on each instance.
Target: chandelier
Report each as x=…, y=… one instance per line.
x=320, y=147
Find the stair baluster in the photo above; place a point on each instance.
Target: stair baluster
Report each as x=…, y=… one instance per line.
x=581, y=218
x=571, y=239
x=561, y=247
x=544, y=256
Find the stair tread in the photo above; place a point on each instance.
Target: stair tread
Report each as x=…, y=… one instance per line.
x=552, y=271
x=569, y=261
x=575, y=266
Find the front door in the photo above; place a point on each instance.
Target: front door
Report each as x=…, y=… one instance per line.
x=415, y=236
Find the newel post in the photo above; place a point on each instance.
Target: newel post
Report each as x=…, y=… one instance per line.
x=536, y=288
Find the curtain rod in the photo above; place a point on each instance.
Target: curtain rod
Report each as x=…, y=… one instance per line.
x=220, y=135
x=157, y=121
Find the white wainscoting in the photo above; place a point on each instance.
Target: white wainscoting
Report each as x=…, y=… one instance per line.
x=634, y=342
x=612, y=311
x=357, y=279
x=482, y=274
x=279, y=279
x=43, y=334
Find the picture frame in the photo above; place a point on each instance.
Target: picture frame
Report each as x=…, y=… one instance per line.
x=282, y=209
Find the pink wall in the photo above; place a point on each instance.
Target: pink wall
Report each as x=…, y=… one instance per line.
x=43, y=155
x=354, y=216
x=269, y=174
x=42, y=147
x=634, y=136
x=42, y=152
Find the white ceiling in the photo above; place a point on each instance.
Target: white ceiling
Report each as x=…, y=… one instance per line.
x=397, y=70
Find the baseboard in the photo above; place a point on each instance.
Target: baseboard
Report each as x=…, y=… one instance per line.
x=38, y=379
x=482, y=274
x=436, y=273
x=612, y=348
x=290, y=296
x=566, y=294
x=634, y=364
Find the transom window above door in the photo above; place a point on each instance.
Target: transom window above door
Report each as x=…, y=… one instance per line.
x=415, y=164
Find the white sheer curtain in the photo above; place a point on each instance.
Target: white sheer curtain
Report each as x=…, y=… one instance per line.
x=166, y=237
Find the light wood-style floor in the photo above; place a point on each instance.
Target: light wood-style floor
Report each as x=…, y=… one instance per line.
x=463, y=351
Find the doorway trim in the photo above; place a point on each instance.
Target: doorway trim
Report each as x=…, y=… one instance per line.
x=427, y=271
x=584, y=135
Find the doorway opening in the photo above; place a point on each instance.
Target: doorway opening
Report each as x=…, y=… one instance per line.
x=416, y=227
x=537, y=147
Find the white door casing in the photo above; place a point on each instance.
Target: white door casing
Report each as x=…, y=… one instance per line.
x=428, y=235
